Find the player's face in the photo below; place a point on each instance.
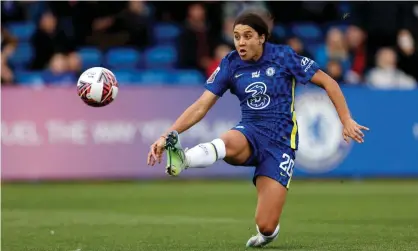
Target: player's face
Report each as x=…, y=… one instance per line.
x=248, y=43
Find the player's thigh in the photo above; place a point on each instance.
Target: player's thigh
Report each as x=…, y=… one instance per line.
x=238, y=149
x=271, y=200
x=272, y=178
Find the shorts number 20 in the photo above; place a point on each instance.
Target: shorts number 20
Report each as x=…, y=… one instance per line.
x=287, y=165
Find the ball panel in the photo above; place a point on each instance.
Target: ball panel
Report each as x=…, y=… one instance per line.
x=115, y=90
x=96, y=92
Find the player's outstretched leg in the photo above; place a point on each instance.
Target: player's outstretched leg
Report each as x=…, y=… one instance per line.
x=271, y=199
x=200, y=156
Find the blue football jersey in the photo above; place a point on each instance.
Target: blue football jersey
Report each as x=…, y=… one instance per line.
x=266, y=89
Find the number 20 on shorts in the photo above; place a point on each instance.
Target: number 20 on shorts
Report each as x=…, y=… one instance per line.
x=287, y=165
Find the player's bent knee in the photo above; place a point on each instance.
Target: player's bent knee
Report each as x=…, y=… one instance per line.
x=237, y=147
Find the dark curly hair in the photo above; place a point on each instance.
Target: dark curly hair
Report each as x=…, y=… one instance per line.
x=256, y=19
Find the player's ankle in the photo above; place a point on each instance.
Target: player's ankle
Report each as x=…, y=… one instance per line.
x=268, y=231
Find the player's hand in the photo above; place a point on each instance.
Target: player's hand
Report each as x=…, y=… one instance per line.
x=156, y=151
x=354, y=131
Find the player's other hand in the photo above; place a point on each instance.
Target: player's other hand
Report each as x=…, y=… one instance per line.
x=354, y=131
x=156, y=151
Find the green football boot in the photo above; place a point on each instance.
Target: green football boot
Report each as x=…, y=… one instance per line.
x=176, y=157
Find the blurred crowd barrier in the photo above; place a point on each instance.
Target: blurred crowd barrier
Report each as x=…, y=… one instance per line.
x=49, y=133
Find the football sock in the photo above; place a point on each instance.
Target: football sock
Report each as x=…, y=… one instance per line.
x=272, y=236
x=206, y=154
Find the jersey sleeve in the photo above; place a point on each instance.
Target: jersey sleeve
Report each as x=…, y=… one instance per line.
x=218, y=83
x=301, y=67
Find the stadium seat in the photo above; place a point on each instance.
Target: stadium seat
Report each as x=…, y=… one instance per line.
x=188, y=77
x=166, y=33
x=161, y=57
x=90, y=57
x=279, y=31
x=307, y=32
x=123, y=58
x=125, y=77
x=34, y=78
x=23, y=31
x=22, y=56
x=154, y=77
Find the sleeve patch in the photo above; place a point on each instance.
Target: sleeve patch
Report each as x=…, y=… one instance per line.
x=213, y=76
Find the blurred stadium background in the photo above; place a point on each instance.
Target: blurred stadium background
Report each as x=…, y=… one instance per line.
x=63, y=162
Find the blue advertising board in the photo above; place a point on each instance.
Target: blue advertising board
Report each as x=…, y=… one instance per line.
x=390, y=148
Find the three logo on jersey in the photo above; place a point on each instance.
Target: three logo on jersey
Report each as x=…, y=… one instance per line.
x=259, y=99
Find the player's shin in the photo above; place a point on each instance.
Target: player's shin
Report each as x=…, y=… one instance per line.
x=206, y=154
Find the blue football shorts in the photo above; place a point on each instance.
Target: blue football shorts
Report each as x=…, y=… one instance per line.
x=270, y=158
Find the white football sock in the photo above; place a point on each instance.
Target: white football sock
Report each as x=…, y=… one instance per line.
x=206, y=154
x=272, y=236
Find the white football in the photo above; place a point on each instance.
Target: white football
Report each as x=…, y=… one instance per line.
x=97, y=87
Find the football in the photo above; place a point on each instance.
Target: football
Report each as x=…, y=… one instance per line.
x=97, y=87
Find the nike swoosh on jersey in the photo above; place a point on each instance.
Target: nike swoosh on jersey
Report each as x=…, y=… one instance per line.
x=239, y=75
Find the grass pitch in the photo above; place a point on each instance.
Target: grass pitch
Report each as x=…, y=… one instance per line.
x=206, y=215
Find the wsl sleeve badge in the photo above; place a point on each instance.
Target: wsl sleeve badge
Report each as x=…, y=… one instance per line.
x=321, y=145
x=212, y=77
x=97, y=87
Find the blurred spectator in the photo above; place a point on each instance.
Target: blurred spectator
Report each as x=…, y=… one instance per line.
x=334, y=69
x=194, y=50
x=59, y=72
x=334, y=49
x=356, y=41
x=385, y=75
x=410, y=18
x=49, y=40
x=407, y=53
x=227, y=35
x=382, y=21
x=298, y=46
x=135, y=20
x=106, y=32
x=8, y=46
x=220, y=52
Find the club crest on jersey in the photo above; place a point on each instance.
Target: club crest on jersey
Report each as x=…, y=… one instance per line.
x=270, y=71
x=213, y=76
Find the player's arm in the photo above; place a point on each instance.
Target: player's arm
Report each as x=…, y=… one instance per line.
x=331, y=86
x=351, y=128
x=194, y=113
x=306, y=70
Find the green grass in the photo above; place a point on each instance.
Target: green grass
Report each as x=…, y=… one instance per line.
x=206, y=215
